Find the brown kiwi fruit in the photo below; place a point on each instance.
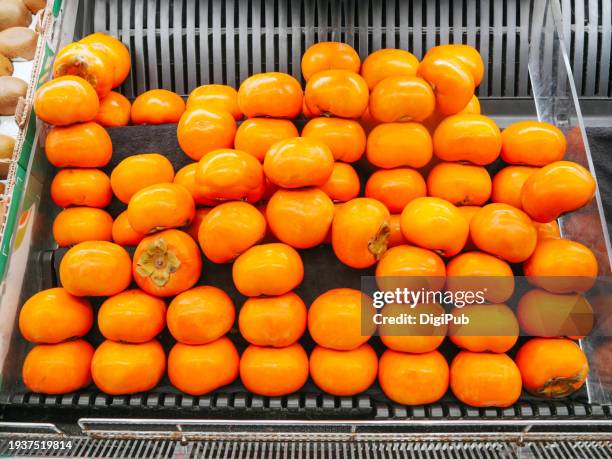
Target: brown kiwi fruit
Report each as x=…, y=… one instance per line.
x=7, y=145
x=14, y=13
x=18, y=42
x=11, y=89
x=6, y=66
x=35, y=5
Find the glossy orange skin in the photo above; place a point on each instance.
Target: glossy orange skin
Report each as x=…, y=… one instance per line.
x=194, y=228
x=472, y=108
x=216, y=96
x=359, y=232
x=422, y=218
x=343, y=184
x=114, y=110
x=562, y=266
x=467, y=137
x=340, y=93
x=161, y=206
x=399, y=144
x=413, y=379
x=468, y=213
x=187, y=177
x=197, y=370
x=202, y=129
x=508, y=184
x=535, y=143
x=77, y=98
x=298, y=162
x=229, y=229
x=200, y=315
x=157, y=106
x=117, y=51
x=274, y=371
x=558, y=188
x=484, y=379
x=58, y=368
x=70, y=316
x=140, y=171
x=79, y=145
x=230, y=174
x=466, y=54
x=132, y=316
x=464, y=271
x=81, y=187
x=329, y=369
x=123, y=233
x=395, y=232
x=79, y=224
x=396, y=187
x=88, y=62
x=179, y=280
x=548, y=230
x=329, y=55
x=95, y=268
x=504, y=231
x=257, y=135
x=122, y=368
x=273, y=94
x=386, y=63
x=345, y=138
x=401, y=99
x=409, y=261
x=300, y=218
x=460, y=184
x=552, y=368
x=491, y=328
x=276, y=321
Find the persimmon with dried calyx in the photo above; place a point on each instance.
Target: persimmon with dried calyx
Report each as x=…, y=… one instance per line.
x=402, y=99
x=343, y=184
x=77, y=98
x=340, y=93
x=123, y=233
x=216, y=96
x=114, y=110
x=395, y=188
x=79, y=224
x=81, y=187
x=201, y=130
x=167, y=263
x=508, y=184
x=345, y=138
x=329, y=55
x=257, y=135
x=466, y=54
x=393, y=145
x=157, y=106
x=136, y=172
x=117, y=51
x=273, y=94
x=534, y=143
x=79, y=145
x=409, y=266
x=388, y=62
x=460, y=184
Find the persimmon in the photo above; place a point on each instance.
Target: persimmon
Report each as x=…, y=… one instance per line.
x=466, y=137
x=396, y=187
x=122, y=368
x=79, y=145
x=561, y=266
x=68, y=315
x=306, y=113
x=77, y=98
x=460, y=184
x=395, y=232
x=341, y=319
x=136, y=172
x=132, y=316
x=360, y=230
x=215, y=96
x=504, y=231
x=420, y=267
x=161, y=206
x=552, y=368
x=299, y=162
x=81, y=187
x=88, y=62
x=194, y=228
x=114, y=110
x=534, y=143
x=393, y=145
x=416, y=338
x=388, y=62
x=273, y=94
x=95, y=268
x=79, y=224
x=490, y=328
x=167, y=263
x=423, y=217
x=329, y=369
x=268, y=269
x=329, y=55
x=300, y=218
x=343, y=183
x=200, y=315
x=198, y=370
x=484, y=379
x=472, y=108
x=117, y=51
x=58, y=368
x=401, y=99
x=157, y=106
x=468, y=213
x=276, y=321
x=123, y=233
x=230, y=174
x=413, y=379
x=229, y=229
x=274, y=371
x=555, y=189
x=187, y=177
x=257, y=135
x=201, y=130
x=345, y=138
x=508, y=184
x=548, y=230
x=340, y=93
x=466, y=54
